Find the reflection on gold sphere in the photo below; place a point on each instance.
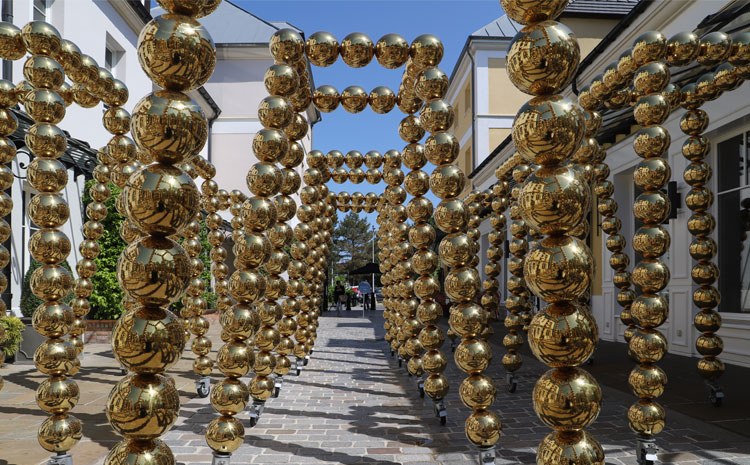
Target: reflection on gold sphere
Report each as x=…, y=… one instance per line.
x=646, y=417
x=483, y=428
x=143, y=406
x=225, y=434
x=567, y=399
x=562, y=447
x=559, y=269
x=59, y=433
x=533, y=11
x=563, y=335
x=354, y=99
x=322, y=49
x=542, y=58
x=357, y=50
x=426, y=51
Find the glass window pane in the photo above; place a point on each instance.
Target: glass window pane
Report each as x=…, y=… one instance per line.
x=734, y=283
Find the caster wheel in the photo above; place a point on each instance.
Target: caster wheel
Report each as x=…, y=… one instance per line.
x=443, y=420
x=400, y=362
x=512, y=387
x=716, y=401
x=253, y=421
x=203, y=390
x=421, y=393
x=409, y=374
x=393, y=353
x=298, y=371
x=307, y=360
x=276, y=392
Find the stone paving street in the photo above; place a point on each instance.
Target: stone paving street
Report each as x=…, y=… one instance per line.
x=351, y=404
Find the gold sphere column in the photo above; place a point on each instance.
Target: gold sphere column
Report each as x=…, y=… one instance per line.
x=51, y=282
x=542, y=60
x=160, y=200
x=702, y=249
x=650, y=209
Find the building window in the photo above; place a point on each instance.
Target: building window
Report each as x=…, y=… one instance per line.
x=733, y=223
x=467, y=98
x=114, y=56
x=41, y=8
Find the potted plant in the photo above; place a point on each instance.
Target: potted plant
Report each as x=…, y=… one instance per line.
x=10, y=342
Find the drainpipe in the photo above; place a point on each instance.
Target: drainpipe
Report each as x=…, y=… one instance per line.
x=473, y=110
x=7, y=16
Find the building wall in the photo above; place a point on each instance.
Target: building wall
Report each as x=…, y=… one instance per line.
x=589, y=31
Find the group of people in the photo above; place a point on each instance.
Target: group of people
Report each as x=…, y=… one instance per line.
x=339, y=295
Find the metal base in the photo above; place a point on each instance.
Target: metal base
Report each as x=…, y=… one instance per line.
x=646, y=451
x=400, y=361
x=716, y=396
x=487, y=455
x=307, y=360
x=511, y=382
x=203, y=386
x=440, y=411
x=221, y=459
x=61, y=459
x=298, y=365
x=420, y=386
x=256, y=410
x=277, y=386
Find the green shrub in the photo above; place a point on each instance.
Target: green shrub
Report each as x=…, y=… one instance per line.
x=107, y=295
x=29, y=302
x=14, y=329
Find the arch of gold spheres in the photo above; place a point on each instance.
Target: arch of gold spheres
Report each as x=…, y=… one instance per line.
x=546, y=187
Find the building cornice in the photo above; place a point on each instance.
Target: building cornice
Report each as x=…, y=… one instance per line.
x=133, y=13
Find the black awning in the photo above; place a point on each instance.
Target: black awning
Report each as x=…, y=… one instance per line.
x=370, y=268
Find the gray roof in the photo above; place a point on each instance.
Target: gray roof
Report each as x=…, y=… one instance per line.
x=230, y=24
x=506, y=27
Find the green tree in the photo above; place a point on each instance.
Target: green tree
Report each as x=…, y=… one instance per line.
x=107, y=295
x=352, y=243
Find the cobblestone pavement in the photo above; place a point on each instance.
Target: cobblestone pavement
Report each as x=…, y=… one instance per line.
x=351, y=404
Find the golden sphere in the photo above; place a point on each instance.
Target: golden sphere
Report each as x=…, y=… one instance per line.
x=373, y=159
x=542, y=58
x=153, y=452
x=436, y=115
x=651, y=109
x=533, y=11
x=647, y=381
x=281, y=80
x=715, y=48
x=651, y=142
x=651, y=77
x=261, y=388
x=710, y=368
x=270, y=144
x=554, y=200
x=649, y=46
x=648, y=345
x=225, y=434
x=462, y=284
x=287, y=46
x=650, y=275
x=567, y=399
x=51, y=282
x=326, y=98
x=447, y=181
x=456, y=249
x=41, y=38
x=392, y=51
x=154, y=271
x=649, y=310
x=258, y=214
x=563, y=335
x=45, y=106
x=47, y=246
x=59, y=433
x=451, y=216
x=436, y=386
x=175, y=39
x=707, y=321
x=381, y=99
x=564, y=447
x=169, y=126
x=548, y=129
x=193, y=8
x=651, y=241
x=483, y=428
x=229, y=396
x=264, y=179
x=646, y=417
x=116, y=120
x=276, y=112
x=559, y=269
x=161, y=199
x=354, y=99
x=431, y=84
x=468, y=319
x=46, y=140
x=143, y=406
x=411, y=131
x=419, y=209
x=148, y=340
x=426, y=51
x=682, y=49
x=322, y=49
x=12, y=46
x=473, y=356
x=234, y=359
x=357, y=50
x=43, y=72
x=441, y=148
x=57, y=395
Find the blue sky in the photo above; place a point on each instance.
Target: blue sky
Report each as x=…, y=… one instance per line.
x=452, y=21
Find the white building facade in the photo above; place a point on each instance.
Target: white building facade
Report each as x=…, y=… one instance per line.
x=729, y=133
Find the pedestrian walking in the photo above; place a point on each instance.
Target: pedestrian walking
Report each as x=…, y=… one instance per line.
x=338, y=295
x=365, y=289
